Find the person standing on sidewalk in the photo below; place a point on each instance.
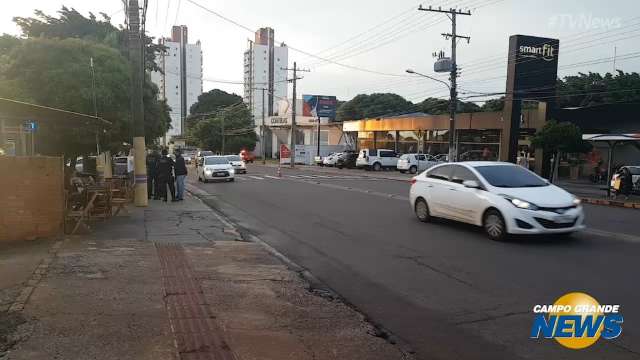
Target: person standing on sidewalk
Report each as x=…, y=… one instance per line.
x=181, y=173
x=152, y=181
x=165, y=176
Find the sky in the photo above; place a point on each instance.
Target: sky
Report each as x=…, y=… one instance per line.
x=380, y=36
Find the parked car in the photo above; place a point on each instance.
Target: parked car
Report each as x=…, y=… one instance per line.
x=331, y=159
x=414, y=163
x=377, y=159
x=347, y=160
x=635, y=177
x=441, y=157
x=215, y=168
x=187, y=159
x=237, y=163
x=247, y=156
x=503, y=198
x=120, y=165
x=200, y=156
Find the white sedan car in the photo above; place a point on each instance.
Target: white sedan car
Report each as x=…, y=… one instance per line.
x=215, y=168
x=503, y=198
x=331, y=159
x=238, y=164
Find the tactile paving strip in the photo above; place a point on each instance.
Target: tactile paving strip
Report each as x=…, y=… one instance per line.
x=196, y=333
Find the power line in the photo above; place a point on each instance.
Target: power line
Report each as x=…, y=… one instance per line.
x=291, y=47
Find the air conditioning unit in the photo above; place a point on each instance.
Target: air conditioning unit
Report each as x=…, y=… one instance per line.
x=443, y=65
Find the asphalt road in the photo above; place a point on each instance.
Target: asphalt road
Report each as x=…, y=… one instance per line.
x=443, y=288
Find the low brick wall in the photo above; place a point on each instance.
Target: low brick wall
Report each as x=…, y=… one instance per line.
x=31, y=197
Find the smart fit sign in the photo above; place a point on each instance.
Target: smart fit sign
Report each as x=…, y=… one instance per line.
x=531, y=75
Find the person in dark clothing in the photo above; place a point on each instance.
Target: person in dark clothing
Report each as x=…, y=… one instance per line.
x=165, y=176
x=626, y=183
x=181, y=173
x=152, y=179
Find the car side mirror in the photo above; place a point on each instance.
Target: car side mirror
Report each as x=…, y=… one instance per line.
x=471, y=184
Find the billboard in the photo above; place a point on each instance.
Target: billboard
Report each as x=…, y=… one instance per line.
x=319, y=106
x=532, y=70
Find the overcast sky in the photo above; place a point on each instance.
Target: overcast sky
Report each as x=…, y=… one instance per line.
x=383, y=36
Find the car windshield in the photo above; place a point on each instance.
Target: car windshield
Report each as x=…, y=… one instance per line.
x=404, y=157
x=206, y=153
x=634, y=170
x=216, y=160
x=506, y=176
x=234, y=158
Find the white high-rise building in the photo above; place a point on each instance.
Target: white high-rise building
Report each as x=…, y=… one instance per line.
x=263, y=69
x=181, y=83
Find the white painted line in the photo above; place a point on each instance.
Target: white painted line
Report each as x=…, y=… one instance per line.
x=256, y=177
x=241, y=178
x=618, y=236
x=272, y=177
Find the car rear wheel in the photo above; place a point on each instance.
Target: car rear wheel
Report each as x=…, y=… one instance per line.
x=413, y=169
x=422, y=210
x=494, y=225
x=377, y=167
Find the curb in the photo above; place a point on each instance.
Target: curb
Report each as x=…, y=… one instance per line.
x=612, y=203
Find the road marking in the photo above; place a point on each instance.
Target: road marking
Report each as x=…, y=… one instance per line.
x=619, y=236
x=241, y=178
x=256, y=177
x=272, y=177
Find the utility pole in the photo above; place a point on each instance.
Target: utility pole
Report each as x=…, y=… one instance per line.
x=222, y=118
x=95, y=103
x=453, y=93
x=262, y=133
x=293, y=110
x=137, y=79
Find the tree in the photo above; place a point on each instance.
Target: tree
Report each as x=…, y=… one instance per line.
x=239, y=130
x=70, y=24
x=594, y=89
x=374, y=105
x=56, y=73
x=213, y=100
x=558, y=138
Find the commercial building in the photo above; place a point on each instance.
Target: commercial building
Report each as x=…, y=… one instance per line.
x=180, y=81
x=478, y=135
x=263, y=69
x=278, y=132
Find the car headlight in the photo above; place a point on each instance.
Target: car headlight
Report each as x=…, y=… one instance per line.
x=577, y=201
x=521, y=204
x=207, y=171
x=231, y=171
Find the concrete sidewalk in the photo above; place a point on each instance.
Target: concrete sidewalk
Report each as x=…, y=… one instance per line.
x=171, y=281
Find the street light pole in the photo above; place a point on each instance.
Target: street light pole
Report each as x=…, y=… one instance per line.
x=453, y=93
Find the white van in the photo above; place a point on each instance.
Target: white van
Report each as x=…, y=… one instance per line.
x=377, y=159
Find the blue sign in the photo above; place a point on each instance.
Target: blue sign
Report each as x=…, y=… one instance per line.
x=31, y=126
x=319, y=106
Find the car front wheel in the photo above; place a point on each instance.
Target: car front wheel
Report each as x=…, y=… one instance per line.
x=377, y=167
x=413, y=169
x=494, y=225
x=422, y=210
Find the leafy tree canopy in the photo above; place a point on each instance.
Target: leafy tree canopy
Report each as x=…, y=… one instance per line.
x=61, y=76
x=213, y=100
x=239, y=130
x=374, y=105
x=595, y=89
x=564, y=137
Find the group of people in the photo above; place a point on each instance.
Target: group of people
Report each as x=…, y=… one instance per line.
x=163, y=172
